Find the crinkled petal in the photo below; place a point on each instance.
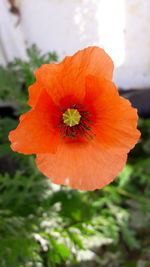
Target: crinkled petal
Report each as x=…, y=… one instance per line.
x=68, y=77
x=53, y=78
x=35, y=132
x=82, y=167
x=91, y=60
x=116, y=119
x=35, y=91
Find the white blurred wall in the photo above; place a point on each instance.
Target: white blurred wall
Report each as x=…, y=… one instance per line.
x=121, y=27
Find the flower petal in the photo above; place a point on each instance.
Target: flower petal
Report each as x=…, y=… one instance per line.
x=91, y=60
x=68, y=77
x=35, y=91
x=36, y=133
x=116, y=119
x=82, y=167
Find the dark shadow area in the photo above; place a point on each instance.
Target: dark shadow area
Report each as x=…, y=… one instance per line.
x=140, y=99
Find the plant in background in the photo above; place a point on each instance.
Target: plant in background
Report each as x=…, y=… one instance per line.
x=18, y=75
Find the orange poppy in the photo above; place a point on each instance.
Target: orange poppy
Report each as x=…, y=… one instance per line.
x=79, y=126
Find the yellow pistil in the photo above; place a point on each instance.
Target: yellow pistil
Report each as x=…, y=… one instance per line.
x=71, y=117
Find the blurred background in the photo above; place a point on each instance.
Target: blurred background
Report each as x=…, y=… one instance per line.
x=45, y=225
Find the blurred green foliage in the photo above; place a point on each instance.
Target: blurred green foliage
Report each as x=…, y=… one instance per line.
x=46, y=225
x=18, y=75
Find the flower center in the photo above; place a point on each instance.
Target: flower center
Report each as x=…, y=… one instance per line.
x=71, y=117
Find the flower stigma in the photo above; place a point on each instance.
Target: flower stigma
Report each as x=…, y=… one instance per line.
x=71, y=117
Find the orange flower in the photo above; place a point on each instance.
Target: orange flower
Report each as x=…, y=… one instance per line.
x=79, y=126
